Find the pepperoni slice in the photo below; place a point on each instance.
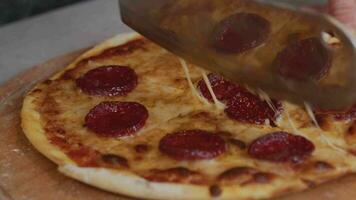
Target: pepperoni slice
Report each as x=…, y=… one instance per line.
x=349, y=114
x=281, y=147
x=249, y=108
x=240, y=32
x=304, y=59
x=192, y=145
x=223, y=89
x=116, y=119
x=110, y=80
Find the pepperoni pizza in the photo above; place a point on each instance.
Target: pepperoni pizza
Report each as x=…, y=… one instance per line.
x=131, y=118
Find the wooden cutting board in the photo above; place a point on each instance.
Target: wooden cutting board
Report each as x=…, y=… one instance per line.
x=27, y=175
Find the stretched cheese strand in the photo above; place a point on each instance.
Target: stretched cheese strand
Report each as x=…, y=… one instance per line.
x=324, y=139
x=218, y=104
x=322, y=136
x=291, y=123
x=191, y=85
x=311, y=114
x=264, y=96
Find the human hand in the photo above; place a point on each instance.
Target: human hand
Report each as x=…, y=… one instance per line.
x=344, y=11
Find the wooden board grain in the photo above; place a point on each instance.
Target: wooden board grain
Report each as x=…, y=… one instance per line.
x=27, y=175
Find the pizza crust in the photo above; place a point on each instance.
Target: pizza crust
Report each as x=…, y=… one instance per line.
x=31, y=119
x=132, y=185
x=125, y=182
x=33, y=129
x=118, y=182
x=112, y=42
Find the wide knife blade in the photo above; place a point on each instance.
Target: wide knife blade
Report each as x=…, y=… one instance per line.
x=184, y=27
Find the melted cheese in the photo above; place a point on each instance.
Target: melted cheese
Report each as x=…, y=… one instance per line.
x=322, y=136
x=218, y=104
x=169, y=114
x=329, y=39
x=291, y=123
x=264, y=96
x=311, y=114
x=191, y=85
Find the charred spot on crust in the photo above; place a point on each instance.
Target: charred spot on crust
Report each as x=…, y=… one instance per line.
x=51, y=109
x=82, y=63
x=338, y=115
x=60, y=131
x=175, y=175
x=201, y=114
x=215, y=190
x=309, y=183
x=141, y=148
x=36, y=91
x=56, y=131
x=179, y=80
x=245, y=175
x=323, y=122
x=226, y=135
x=296, y=160
x=124, y=49
x=352, y=129
x=316, y=166
x=352, y=151
x=181, y=171
x=261, y=177
x=83, y=156
x=59, y=141
x=322, y=166
x=238, y=143
x=47, y=82
x=350, y=135
x=69, y=74
x=236, y=172
x=273, y=124
x=115, y=160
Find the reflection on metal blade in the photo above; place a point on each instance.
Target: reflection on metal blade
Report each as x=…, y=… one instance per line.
x=276, y=48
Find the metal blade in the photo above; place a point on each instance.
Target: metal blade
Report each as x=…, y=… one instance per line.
x=184, y=27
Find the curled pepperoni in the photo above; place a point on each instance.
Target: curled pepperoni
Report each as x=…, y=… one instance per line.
x=240, y=32
x=349, y=114
x=108, y=81
x=223, y=89
x=116, y=119
x=192, y=145
x=249, y=108
x=304, y=59
x=281, y=147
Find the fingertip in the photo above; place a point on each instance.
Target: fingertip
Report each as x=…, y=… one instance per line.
x=344, y=11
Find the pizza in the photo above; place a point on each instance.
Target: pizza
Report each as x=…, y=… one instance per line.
x=131, y=118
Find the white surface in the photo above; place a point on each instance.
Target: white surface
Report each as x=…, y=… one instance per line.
x=26, y=43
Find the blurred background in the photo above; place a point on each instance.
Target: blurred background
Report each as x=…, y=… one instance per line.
x=12, y=10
